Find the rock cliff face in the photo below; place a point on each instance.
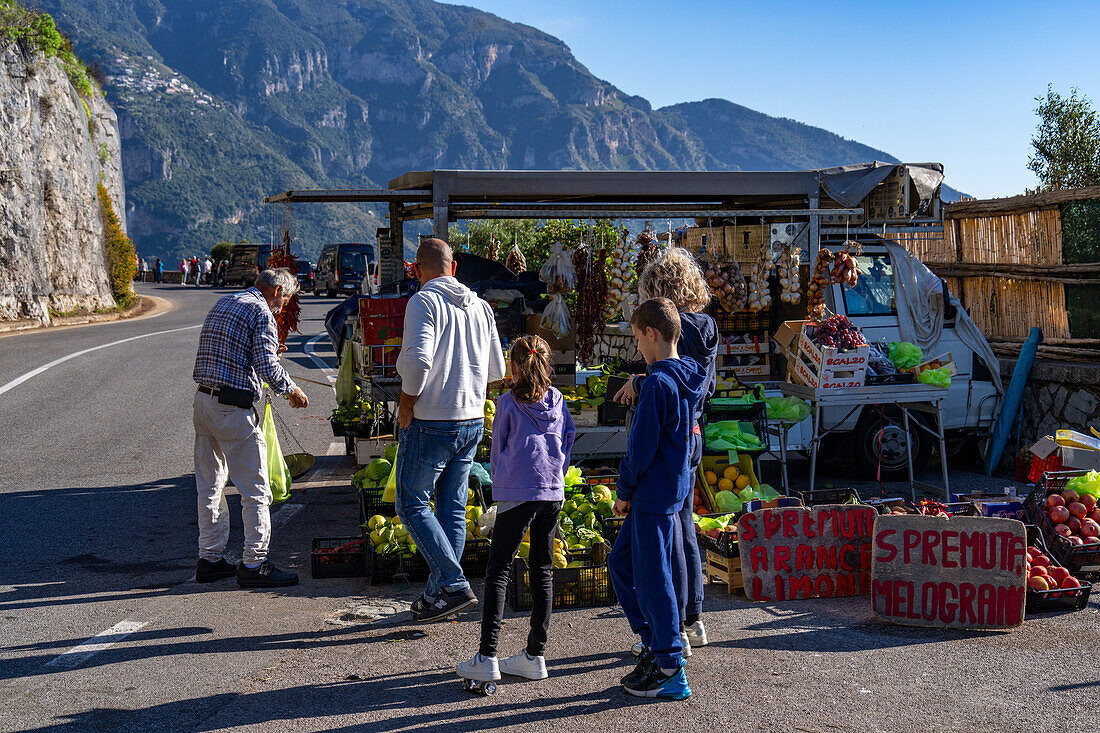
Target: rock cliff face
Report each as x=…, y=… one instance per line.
x=55, y=146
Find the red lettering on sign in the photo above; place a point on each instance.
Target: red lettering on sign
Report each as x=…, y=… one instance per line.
x=950, y=536
x=910, y=539
x=780, y=589
x=966, y=604
x=931, y=542
x=865, y=556
x=747, y=530
x=803, y=557
x=947, y=607
x=846, y=559
x=1016, y=550
x=801, y=587
x=782, y=559
x=987, y=556
x=772, y=522
x=758, y=558
x=969, y=548
x=826, y=558
x=928, y=601
x=1014, y=606
x=790, y=523
x=823, y=586
x=987, y=604
x=883, y=591
x=884, y=542
x=808, y=525
x=758, y=590
x=845, y=584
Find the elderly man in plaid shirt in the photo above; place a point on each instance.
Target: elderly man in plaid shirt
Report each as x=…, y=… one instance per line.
x=239, y=347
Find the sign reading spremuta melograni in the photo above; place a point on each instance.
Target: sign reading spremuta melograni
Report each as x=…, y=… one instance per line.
x=789, y=554
x=959, y=572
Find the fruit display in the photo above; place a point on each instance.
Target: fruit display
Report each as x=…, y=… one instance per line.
x=1043, y=574
x=845, y=271
x=358, y=411
x=348, y=552
x=515, y=261
x=815, y=292
x=837, y=332
x=375, y=473
x=1074, y=516
x=490, y=412
x=716, y=527
x=620, y=278
x=789, y=279
x=727, y=284
x=760, y=297
x=579, y=521
x=389, y=536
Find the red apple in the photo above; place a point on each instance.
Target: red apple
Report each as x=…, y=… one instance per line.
x=1089, y=528
x=1070, y=582
x=1058, y=574
x=1055, y=500
x=1041, y=560
x=1089, y=501
x=1059, y=514
x=1063, y=530
x=1077, y=509
x=1038, y=583
x=1074, y=525
x=1070, y=496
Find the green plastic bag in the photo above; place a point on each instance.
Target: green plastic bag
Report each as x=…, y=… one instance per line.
x=1088, y=483
x=345, y=379
x=905, y=355
x=278, y=475
x=936, y=377
x=731, y=435
x=787, y=409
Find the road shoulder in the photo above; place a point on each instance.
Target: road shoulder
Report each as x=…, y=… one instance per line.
x=144, y=306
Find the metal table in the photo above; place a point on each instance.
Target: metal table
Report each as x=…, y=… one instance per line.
x=916, y=397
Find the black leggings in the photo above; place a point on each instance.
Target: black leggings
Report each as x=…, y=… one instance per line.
x=542, y=518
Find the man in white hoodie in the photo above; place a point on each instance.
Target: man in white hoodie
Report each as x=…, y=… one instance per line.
x=450, y=351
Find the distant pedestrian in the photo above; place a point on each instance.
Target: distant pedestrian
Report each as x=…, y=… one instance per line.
x=143, y=268
x=238, y=352
x=450, y=352
x=158, y=271
x=219, y=278
x=196, y=270
x=185, y=267
x=208, y=272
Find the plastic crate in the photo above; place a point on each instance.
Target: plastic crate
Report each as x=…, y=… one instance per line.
x=725, y=545
x=754, y=413
x=1055, y=600
x=484, y=449
x=879, y=380
x=338, y=557
x=510, y=320
x=573, y=587
x=398, y=567
x=1084, y=560
x=475, y=557
x=609, y=528
x=741, y=321
x=610, y=480
x=822, y=497
x=370, y=503
x=381, y=319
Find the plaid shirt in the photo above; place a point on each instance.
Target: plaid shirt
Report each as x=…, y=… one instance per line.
x=237, y=346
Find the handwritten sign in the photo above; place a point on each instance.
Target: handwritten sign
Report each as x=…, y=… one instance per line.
x=959, y=572
x=789, y=554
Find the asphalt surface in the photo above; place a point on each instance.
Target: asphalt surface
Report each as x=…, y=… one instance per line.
x=97, y=485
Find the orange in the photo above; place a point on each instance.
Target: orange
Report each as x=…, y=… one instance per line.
x=711, y=477
x=731, y=473
x=742, y=482
x=725, y=485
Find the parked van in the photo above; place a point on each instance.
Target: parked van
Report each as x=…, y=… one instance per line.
x=245, y=263
x=341, y=268
x=875, y=434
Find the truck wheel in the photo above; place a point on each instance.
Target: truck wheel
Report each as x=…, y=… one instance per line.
x=880, y=441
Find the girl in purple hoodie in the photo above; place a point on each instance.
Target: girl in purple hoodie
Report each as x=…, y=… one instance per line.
x=532, y=437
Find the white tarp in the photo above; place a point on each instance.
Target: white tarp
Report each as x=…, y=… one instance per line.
x=919, y=295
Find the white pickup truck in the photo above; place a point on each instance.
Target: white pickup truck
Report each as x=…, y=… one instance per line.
x=874, y=435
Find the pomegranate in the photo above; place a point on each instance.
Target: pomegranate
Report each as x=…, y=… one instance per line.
x=1055, y=500
x=1041, y=560
x=1078, y=541
x=1070, y=496
x=1094, y=515
x=1089, y=528
x=1089, y=540
x=1069, y=583
x=1032, y=552
x=1074, y=525
x=1040, y=572
x=1063, y=530
x=1089, y=501
x=1059, y=514
x=1058, y=574
x=1038, y=583
x=1077, y=509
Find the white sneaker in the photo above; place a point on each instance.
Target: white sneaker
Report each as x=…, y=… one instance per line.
x=696, y=634
x=524, y=665
x=685, y=643
x=480, y=669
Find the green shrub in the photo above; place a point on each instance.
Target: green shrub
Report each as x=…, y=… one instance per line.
x=121, y=257
x=37, y=30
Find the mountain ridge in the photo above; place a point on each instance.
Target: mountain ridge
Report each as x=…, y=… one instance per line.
x=223, y=103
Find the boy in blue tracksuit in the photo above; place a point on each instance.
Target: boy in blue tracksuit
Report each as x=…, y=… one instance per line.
x=654, y=481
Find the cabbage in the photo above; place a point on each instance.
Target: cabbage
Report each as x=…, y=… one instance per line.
x=379, y=469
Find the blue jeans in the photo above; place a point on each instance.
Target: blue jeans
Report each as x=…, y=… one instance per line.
x=434, y=459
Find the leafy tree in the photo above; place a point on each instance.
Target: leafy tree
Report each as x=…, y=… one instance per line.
x=532, y=236
x=1066, y=142
x=220, y=251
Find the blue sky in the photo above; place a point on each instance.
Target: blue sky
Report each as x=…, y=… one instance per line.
x=930, y=81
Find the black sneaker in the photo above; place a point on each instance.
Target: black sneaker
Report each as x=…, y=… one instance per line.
x=208, y=572
x=657, y=684
x=447, y=605
x=646, y=662
x=265, y=576
x=420, y=604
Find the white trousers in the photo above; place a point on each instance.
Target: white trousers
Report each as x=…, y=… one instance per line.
x=229, y=444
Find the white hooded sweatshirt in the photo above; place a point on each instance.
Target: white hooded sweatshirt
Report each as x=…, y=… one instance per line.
x=450, y=351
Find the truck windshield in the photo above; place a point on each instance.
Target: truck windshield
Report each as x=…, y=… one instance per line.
x=873, y=293
x=352, y=258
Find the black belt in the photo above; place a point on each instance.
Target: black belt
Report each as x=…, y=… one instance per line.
x=212, y=391
x=242, y=398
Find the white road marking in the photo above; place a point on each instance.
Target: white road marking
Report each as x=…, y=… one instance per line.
x=35, y=372
x=103, y=640
x=286, y=511
x=307, y=347
x=336, y=448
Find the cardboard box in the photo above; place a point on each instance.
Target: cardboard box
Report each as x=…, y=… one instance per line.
x=944, y=360
x=563, y=343
x=1080, y=458
x=826, y=358
x=787, y=335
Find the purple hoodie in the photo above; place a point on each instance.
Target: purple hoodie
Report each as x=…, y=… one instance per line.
x=531, y=446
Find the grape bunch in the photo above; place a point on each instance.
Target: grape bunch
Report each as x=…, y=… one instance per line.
x=837, y=332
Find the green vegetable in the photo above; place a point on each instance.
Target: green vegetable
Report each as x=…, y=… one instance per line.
x=904, y=355
x=936, y=377
x=390, y=452
x=573, y=477
x=565, y=523
x=379, y=469
x=727, y=501
x=604, y=509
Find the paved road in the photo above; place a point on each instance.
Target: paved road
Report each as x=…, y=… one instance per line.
x=99, y=536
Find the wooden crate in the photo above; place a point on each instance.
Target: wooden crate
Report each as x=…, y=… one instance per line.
x=726, y=570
